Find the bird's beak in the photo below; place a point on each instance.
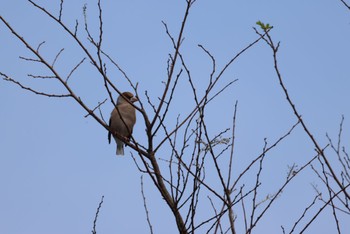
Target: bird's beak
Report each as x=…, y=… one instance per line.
x=134, y=99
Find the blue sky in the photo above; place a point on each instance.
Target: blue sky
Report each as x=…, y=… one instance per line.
x=55, y=164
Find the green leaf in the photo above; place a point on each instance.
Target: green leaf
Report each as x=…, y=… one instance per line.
x=263, y=26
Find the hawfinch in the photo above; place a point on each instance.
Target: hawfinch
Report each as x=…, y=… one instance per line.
x=122, y=121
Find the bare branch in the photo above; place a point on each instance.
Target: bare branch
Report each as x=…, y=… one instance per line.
x=304, y=213
x=324, y=206
x=61, y=9
x=54, y=72
x=274, y=49
x=73, y=70
x=30, y=59
x=205, y=97
x=172, y=66
x=345, y=4
x=76, y=28
x=196, y=163
x=96, y=215
x=91, y=39
x=97, y=107
x=218, y=225
x=32, y=90
x=41, y=77
x=145, y=206
x=58, y=54
x=232, y=146
x=261, y=155
x=39, y=46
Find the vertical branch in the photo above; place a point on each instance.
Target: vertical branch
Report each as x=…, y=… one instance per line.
x=232, y=146
x=322, y=208
x=330, y=195
x=166, y=195
x=257, y=184
x=96, y=215
x=274, y=49
x=336, y=148
x=226, y=189
x=244, y=213
x=145, y=206
x=173, y=63
x=61, y=9
x=218, y=223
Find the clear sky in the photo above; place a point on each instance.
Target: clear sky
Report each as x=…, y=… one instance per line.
x=55, y=164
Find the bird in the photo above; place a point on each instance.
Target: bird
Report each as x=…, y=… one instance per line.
x=122, y=120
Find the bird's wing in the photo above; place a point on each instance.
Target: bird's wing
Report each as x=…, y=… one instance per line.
x=109, y=133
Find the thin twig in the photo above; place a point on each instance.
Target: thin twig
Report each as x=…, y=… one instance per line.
x=324, y=206
x=61, y=9
x=145, y=206
x=58, y=54
x=73, y=70
x=304, y=213
x=345, y=4
x=97, y=107
x=274, y=49
x=96, y=215
x=172, y=67
x=32, y=90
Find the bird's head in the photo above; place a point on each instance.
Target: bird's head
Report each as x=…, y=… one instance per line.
x=126, y=95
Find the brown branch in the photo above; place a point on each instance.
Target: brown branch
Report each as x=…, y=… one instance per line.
x=227, y=191
x=261, y=155
x=218, y=225
x=174, y=60
x=330, y=191
x=61, y=9
x=99, y=68
x=188, y=169
x=90, y=37
x=41, y=76
x=167, y=104
x=96, y=215
x=257, y=185
x=6, y=78
x=74, y=69
x=337, y=150
x=322, y=208
x=145, y=206
x=71, y=93
x=97, y=107
x=274, y=49
x=304, y=213
x=328, y=187
x=29, y=59
x=345, y=4
x=205, y=97
x=167, y=197
x=281, y=189
x=244, y=213
x=57, y=55
x=39, y=46
x=232, y=146
x=120, y=69
x=66, y=86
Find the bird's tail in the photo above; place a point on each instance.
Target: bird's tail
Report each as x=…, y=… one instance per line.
x=120, y=147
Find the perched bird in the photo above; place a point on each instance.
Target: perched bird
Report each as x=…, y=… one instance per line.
x=122, y=121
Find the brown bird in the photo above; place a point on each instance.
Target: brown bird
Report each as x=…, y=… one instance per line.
x=122, y=121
